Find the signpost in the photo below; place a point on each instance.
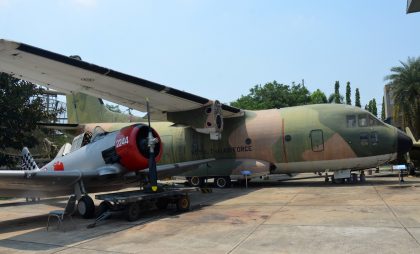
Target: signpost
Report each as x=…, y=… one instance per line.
x=246, y=173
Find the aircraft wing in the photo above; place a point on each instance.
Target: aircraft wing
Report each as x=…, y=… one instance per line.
x=68, y=75
x=29, y=179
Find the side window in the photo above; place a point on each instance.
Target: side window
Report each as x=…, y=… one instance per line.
x=351, y=121
x=363, y=121
x=364, y=139
x=317, y=140
x=374, y=138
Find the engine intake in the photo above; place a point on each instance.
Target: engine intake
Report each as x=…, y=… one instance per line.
x=132, y=147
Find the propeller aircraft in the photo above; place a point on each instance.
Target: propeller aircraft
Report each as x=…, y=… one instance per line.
x=310, y=138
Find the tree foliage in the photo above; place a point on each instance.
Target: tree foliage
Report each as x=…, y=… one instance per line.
x=273, y=95
x=332, y=98
x=337, y=95
x=371, y=107
x=405, y=85
x=383, y=109
x=348, y=93
x=318, y=97
x=21, y=109
x=357, y=98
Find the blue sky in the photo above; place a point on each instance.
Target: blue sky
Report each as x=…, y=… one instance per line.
x=220, y=49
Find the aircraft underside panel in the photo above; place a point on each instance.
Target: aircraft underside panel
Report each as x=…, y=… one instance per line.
x=331, y=165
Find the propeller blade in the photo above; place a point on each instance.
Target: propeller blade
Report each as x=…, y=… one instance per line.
x=152, y=161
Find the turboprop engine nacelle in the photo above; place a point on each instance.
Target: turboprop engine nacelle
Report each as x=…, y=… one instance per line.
x=131, y=146
x=207, y=120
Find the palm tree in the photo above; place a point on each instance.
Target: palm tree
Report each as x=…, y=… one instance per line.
x=405, y=86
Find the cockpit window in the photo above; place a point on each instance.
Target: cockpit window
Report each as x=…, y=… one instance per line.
x=363, y=120
x=98, y=133
x=351, y=121
x=373, y=121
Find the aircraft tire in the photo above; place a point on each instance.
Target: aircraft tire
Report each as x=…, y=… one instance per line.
x=86, y=207
x=183, y=204
x=132, y=212
x=196, y=181
x=222, y=182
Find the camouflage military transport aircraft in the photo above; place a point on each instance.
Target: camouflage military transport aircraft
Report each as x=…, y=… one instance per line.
x=311, y=138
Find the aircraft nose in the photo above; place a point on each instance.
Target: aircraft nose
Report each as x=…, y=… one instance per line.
x=404, y=143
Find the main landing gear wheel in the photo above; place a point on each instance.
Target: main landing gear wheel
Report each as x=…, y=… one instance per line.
x=222, y=182
x=362, y=178
x=132, y=212
x=183, y=204
x=86, y=207
x=196, y=181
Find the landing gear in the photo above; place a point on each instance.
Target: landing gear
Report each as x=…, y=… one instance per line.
x=362, y=176
x=222, y=182
x=354, y=178
x=86, y=207
x=196, y=181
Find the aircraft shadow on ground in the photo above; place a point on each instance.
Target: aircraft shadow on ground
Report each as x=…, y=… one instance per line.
x=52, y=201
x=35, y=237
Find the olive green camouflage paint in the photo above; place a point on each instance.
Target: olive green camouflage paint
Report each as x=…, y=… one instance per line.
x=82, y=108
x=275, y=137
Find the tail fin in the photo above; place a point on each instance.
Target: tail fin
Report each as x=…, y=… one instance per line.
x=28, y=163
x=410, y=134
x=83, y=108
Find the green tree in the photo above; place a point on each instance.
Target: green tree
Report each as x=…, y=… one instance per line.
x=383, y=109
x=318, y=97
x=337, y=96
x=273, y=95
x=371, y=107
x=331, y=98
x=374, y=107
x=405, y=87
x=21, y=109
x=357, y=98
x=348, y=93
